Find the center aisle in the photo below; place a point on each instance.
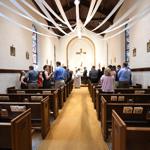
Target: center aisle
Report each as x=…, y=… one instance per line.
x=76, y=127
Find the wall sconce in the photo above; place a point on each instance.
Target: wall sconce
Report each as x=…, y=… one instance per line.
x=12, y=50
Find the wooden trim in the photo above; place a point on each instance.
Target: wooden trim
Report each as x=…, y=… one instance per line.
x=10, y=71
x=140, y=69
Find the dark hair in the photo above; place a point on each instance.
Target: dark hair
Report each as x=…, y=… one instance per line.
x=113, y=68
x=44, y=67
x=110, y=66
x=125, y=64
x=119, y=66
x=58, y=63
x=64, y=67
x=31, y=67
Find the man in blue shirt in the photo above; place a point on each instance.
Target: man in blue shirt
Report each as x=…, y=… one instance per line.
x=124, y=76
x=59, y=75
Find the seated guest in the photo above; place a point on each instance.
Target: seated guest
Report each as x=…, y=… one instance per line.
x=32, y=77
x=107, y=81
x=124, y=76
x=23, y=80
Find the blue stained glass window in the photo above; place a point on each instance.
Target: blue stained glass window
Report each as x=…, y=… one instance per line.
x=34, y=46
x=127, y=44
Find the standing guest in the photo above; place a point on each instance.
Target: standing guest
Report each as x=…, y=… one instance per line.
x=70, y=75
x=113, y=71
x=40, y=79
x=59, y=75
x=124, y=76
x=103, y=69
x=85, y=76
x=117, y=70
x=66, y=74
x=50, y=68
x=77, y=79
x=107, y=81
x=100, y=73
x=46, y=77
x=110, y=66
x=32, y=78
x=23, y=80
x=117, y=79
x=93, y=75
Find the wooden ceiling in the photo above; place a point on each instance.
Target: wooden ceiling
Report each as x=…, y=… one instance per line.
x=104, y=9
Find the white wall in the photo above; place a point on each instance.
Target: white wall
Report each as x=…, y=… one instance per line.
x=21, y=39
x=86, y=58
x=139, y=36
x=101, y=53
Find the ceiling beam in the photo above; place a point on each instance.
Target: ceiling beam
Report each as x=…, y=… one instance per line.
x=67, y=8
x=84, y=3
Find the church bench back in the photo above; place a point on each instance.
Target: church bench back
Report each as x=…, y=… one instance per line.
x=60, y=92
x=107, y=107
x=127, y=137
x=15, y=133
x=120, y=91
x=21, y=96
x=39, y=112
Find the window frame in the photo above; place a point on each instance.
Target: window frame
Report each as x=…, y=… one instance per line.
x=35, y=51
x=127, y=44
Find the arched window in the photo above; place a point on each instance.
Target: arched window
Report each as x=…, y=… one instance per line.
x=127, y=44
x=34, y=47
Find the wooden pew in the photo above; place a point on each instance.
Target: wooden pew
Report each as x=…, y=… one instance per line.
x=15, y=131
x=67, y=89
x=94, y=89
x=130, y=131
x=70, y=86
x=9, y=88
x=137, y=85
x=118, y=90
x=107, y=105
x=60, y=92
x=91, y=87
x=61, y=97
x=65, y=93
x=53, y=96
x=40, y=116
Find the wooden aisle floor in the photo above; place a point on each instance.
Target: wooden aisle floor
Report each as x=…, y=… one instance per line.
x=76, y=127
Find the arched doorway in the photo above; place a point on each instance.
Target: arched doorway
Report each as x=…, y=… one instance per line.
x=80, y=53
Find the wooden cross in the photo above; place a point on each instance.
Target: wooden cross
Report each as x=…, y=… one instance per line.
x=81, y=52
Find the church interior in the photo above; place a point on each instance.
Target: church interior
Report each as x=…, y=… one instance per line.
x=76, y=111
